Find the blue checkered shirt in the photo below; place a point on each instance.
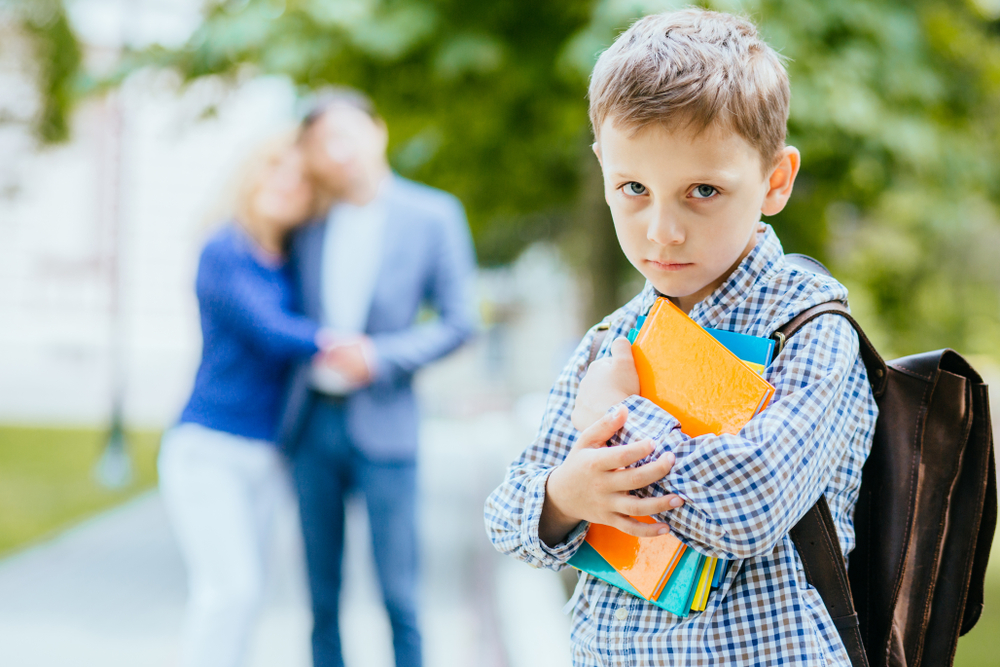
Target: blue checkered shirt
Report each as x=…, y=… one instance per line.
x=743, y=492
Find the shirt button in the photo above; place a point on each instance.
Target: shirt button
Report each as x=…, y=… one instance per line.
x=621, y=613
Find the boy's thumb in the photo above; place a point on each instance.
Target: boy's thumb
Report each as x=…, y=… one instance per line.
x=621, y=350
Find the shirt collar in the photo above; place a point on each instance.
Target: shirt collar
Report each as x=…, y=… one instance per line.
x=382, y=192
x=762, y=260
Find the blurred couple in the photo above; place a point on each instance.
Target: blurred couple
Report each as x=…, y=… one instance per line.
x=309, y=300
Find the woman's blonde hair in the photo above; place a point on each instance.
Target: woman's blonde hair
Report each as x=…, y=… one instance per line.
x=236, y=200
x=250, y=176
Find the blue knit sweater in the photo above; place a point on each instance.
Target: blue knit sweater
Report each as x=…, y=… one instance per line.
x=250, y=338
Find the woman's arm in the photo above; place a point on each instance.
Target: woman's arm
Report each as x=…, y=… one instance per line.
x=232, y=295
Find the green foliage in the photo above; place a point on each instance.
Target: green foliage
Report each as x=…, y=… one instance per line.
x=58, y=58
x=470, y=93
x=892, y=107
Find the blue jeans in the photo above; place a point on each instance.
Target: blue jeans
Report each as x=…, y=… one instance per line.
x=326, y=467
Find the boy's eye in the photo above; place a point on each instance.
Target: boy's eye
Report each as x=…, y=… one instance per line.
x=634, y=189
x=703, y=192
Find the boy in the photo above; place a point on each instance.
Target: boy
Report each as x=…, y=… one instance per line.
x=689, y=112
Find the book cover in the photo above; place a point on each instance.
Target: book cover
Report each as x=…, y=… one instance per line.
x=645, y=562
x=704, y=586
x=691, y=375
x=676, y=598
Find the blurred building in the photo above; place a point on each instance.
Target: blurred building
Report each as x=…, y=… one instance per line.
x=99, y=237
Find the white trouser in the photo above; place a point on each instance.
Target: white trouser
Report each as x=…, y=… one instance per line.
x=220, y=491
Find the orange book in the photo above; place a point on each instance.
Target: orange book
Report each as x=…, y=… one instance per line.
x=688, y=373
x=645, y=562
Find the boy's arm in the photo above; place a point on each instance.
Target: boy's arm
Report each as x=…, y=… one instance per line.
x=564, y=479
x=745, y=492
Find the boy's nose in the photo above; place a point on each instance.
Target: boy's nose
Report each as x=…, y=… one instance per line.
x=665, y=229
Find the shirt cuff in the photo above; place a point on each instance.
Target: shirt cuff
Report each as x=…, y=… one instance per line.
x=542, y=554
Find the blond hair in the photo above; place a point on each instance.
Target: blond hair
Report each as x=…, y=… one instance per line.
x=690, y=69
x=254, y=169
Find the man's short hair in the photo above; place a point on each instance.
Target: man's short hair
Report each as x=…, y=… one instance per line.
x=692, y=68
x=337, y=95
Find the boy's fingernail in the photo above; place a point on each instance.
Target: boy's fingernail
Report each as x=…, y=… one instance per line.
x=663, y=531
x=676, y=502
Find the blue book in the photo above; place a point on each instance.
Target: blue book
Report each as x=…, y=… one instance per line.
x=754, y=349
x=720, y=573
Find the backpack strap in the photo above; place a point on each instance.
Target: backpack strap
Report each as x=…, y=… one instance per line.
x=815, y=535
x=600, y=333
x=878, y=372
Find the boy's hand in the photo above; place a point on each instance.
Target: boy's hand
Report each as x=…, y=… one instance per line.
x=608, y=382
x=593, y=484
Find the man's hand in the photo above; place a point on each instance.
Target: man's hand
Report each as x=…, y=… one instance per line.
x=593, y=484
x=608, y=382
x=352, y=358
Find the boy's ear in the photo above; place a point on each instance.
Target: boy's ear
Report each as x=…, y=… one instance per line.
x=781, y=181
x=596, y=147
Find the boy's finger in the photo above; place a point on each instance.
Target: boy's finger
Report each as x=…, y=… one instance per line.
x=598, y=434
x=621, y=349
x=625, y=455
x=632, y=506
x=627, y=524
x=644, y=475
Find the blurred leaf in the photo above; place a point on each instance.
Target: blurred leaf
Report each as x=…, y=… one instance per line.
x=893, y=108
x=57, y=58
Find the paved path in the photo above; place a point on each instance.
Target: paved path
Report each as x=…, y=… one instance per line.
x=110, y=592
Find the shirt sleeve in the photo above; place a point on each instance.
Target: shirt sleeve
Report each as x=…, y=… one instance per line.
x=232, y=296
x=401, y=353
x=743, y=493
x=514, y=510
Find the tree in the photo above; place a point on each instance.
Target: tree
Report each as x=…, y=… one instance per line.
x=892, y=108
x=57, y=58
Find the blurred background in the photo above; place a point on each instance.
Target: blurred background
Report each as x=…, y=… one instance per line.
x=122, y=121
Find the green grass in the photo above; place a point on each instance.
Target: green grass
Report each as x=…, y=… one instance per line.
x=981, y=647
x=47, y=481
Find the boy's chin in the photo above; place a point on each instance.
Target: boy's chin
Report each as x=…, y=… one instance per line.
x=675, y=290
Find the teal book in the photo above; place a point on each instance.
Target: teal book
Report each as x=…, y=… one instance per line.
x=679, y=590
x=677, y=593
x=588, y=560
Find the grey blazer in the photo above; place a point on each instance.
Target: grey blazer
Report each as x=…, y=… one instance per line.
x=427, y=258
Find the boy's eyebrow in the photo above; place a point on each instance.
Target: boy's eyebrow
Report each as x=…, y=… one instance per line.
x=702, y=177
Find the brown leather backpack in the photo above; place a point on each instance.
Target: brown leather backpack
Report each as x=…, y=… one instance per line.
x=926, y=514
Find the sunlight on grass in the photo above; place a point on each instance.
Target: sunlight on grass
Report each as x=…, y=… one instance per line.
x=47, y=481
x=981, y=647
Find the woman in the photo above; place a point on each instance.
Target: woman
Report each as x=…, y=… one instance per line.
x=220, y=474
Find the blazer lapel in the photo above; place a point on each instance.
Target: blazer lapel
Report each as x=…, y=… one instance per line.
x=311, y=268
x=392, y=236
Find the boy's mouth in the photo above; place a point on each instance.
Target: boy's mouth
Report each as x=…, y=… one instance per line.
x=669, y=266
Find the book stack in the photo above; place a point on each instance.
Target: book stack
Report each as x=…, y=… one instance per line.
x=710, y=381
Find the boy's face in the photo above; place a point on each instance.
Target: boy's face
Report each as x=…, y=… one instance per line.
x=687, y=206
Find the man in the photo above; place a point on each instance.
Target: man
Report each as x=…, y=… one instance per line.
x=386, y=247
